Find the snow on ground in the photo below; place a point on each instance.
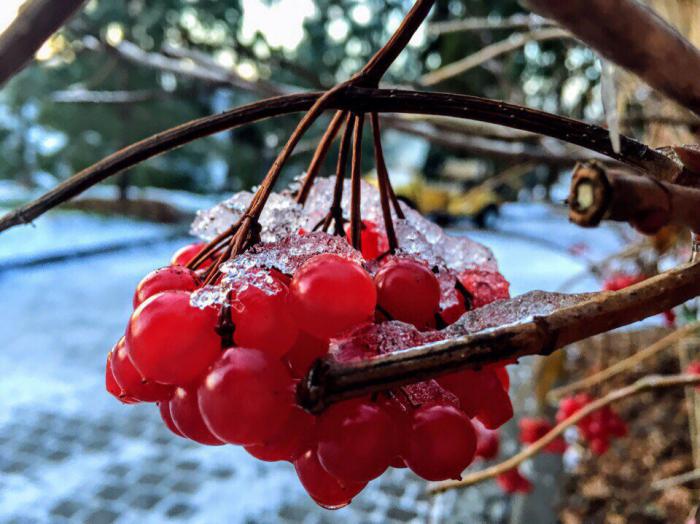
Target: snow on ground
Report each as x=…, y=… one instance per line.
x=73, y=454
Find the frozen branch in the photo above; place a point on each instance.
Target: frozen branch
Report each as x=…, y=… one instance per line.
x=598, y=193
x=642, y=385
x=330, y=381
x=635, y=37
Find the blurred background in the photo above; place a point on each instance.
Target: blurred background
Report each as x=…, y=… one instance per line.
x=121, y=71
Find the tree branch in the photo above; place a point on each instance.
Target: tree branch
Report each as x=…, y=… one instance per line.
x=330, y=381
x=364, y=100
x=517, y=21
x=490, y=52
x=636, y=38
x=642, y=385
x=36, y=22
x=597, y=193
x=624, y=364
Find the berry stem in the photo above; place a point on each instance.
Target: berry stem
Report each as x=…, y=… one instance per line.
x=329, y=381
x=642, y=385
x=356, y=184
x=385, y=189
x=335, y=213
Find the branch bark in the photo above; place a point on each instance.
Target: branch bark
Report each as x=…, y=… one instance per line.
x=598, y=193
x=358, y=99
x=636, y=38
x=36, y=22
x=518, y=21
x=640, y=386
x=330, y=381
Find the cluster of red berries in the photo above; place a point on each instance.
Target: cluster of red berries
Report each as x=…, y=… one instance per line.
x=533, y=429
x=228, y=374
x=598, y=428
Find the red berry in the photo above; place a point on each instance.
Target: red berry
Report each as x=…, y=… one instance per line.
x=453, y=313
x=693, y=369
x=356, y=440
x=327, y=491
x=165, y=279
x=621, y=280
x=503, y=377
x=170, y=341
x=599, y=445
x=408, y=291
x=185, y=254
x=304, y=352
x=513, y=482
x=131, y=381
x=480, y=395
x=188, y=419
x=291, y=441
x=263, y=321
x=534, y=428
x=247, y=397
x=441, y=442
x=484, y=286
x=373, y=241
x=111, y=385
x=330, y=294
x=487, y=441
x=164, y=409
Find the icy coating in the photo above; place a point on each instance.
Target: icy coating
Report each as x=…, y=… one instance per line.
x=285, y=248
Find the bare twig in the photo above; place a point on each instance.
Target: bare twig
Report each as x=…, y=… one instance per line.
x=359, y=99
x=490, y=52
x=518, y=21
x=642, y=385
x=676, y=480
x=36, y=22
x=625, y=364
x=85, y=96
x=636, y=38
x=597, y=193
x=330, y=381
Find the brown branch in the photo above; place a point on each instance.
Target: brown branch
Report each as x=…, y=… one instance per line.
x=384, y=185
x=85, y=96
x=335, y=213
x=358, y=99
x=597, y=193
x=356, y=184
x=483, y=55
x=329, y=381
x=636, y=38
x=35, y=23
x=320, y=155
x=601, y=376
x=642, y=385
x=517, y=21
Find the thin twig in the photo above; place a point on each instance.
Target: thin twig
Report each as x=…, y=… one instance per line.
x=320, y=155
x=642, y=385
x=517, y=21
x=384, y=184
x=356, y=184
x=490, y=52
x=335, y=213
x=360, y=99
x=601, y=376
x=676, y=480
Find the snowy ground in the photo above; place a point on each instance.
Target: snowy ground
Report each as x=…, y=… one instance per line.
x=70, y=453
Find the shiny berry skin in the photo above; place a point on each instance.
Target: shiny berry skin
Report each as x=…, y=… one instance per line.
x=372, y=240
x=484, y=286
x=453, y=313
x=165, y=279
x=327, y=491
x=304, y=352
x=164, y=409
x=356, y=440
x=131, y=381
x=330, y=294
x=170, y=341
x=480, y=395
x=187, y=418
x=487, y=441
x=111, y=385
x=185, y=254
x=408, y=291
x=247, y=397
x=295, y=437
x=441, y=442
x=263, y=321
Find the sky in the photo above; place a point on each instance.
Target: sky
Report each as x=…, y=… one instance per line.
x=8, y=11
